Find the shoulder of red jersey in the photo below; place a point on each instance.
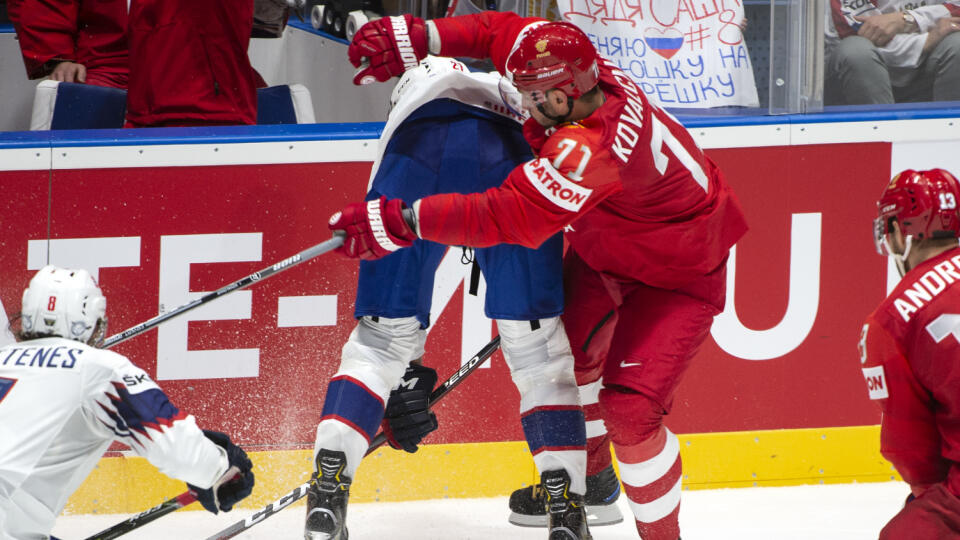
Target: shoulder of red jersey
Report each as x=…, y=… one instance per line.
x=920, y=287
x=576, y=152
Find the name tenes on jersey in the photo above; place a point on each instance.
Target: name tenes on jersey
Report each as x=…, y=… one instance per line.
x=61, y=357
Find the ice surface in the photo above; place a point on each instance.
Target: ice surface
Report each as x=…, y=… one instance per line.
x=826, y=512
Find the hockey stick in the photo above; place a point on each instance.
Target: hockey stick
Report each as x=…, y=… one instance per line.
x=188, y=497
x=438, y=393
x=141, y=519
x=267, y=272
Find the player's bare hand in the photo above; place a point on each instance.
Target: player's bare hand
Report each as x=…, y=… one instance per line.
x=67, y=71
x=880, y=29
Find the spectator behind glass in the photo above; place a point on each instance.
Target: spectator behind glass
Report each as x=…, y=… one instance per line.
x=190, y=65
x=886, y=51
x=82, y=41
x=679, y=59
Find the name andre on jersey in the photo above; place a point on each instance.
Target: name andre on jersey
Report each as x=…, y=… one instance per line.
x=927, y=287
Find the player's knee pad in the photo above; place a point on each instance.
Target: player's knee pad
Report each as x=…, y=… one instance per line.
x=631, y=417
x=378, y=351
x=540, y=360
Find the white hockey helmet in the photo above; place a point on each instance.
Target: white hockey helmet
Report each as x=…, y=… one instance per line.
x=63, y=302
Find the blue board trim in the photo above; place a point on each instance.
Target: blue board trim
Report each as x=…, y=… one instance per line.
x=191, y=135
x=702, y=118
x=372, y=130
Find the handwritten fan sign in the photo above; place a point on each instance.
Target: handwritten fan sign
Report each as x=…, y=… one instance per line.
x=682, y=53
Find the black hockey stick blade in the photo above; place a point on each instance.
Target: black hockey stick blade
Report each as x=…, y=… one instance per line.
x=141, y=519
x=438, y=393
x=270, y=271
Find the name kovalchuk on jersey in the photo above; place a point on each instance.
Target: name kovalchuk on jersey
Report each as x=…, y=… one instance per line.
x=636, y=196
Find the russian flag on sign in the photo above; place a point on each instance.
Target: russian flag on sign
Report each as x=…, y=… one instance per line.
x=665, y=42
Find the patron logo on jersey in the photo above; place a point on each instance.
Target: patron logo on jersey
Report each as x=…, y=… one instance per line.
x=554, y=186
x=876, y=382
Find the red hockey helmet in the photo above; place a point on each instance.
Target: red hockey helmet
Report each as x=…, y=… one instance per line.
x=554, y=55
x=924, y=203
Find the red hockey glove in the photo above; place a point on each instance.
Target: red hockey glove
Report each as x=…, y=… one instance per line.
x=392, y=45
x=373, y=229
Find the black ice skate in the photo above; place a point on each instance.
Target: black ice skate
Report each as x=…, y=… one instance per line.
x=566, y=513
x=327, y=499
x=527, y=505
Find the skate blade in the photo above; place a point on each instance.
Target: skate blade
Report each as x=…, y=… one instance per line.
x=317, y=535
x=607, y=514
x=597, y=516
x=523, y=520
x=313, y=535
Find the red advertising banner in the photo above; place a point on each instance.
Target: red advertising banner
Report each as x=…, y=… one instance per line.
x=818, y=382
x=256, y=363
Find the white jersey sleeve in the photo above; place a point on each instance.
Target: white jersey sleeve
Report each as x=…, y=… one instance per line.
x=126, y=405
x=62, y=403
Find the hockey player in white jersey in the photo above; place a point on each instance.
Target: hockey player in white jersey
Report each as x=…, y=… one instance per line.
x=449, y=130
x=63, y=401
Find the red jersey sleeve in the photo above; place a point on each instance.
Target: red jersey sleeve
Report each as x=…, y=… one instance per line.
x=46, y=30
x=490, y=34
x=908, y=431
x=538, y=198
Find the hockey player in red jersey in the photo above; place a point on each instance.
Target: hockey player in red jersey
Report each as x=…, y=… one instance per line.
x=649, y=220
x=909, y=349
